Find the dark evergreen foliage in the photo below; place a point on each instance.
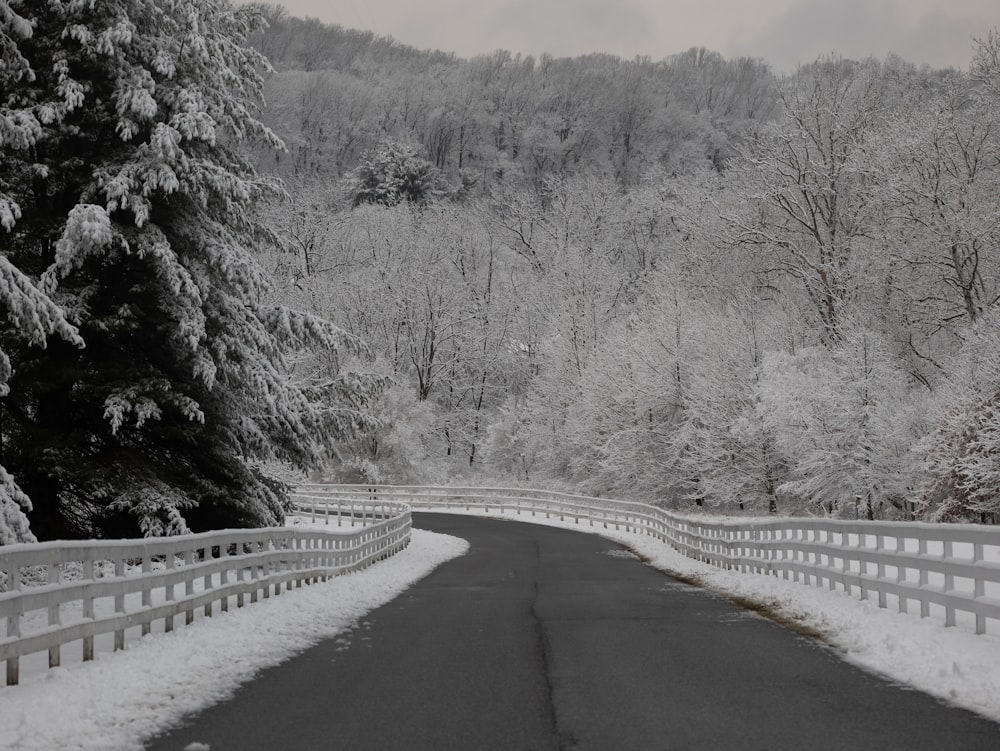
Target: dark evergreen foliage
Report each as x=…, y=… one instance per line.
x=137, y=218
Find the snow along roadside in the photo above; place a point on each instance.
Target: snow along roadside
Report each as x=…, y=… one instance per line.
x=952, y=664
x=117, y=701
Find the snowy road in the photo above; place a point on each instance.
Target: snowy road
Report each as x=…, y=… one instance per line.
x=541, y=638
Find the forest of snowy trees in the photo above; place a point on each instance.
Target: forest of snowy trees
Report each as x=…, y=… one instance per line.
x=689, y=281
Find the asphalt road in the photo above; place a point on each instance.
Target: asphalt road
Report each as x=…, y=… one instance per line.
x=542, y=638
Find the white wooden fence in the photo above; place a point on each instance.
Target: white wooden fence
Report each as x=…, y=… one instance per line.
x=62, y=592
x=67, y=591
x=943, y=569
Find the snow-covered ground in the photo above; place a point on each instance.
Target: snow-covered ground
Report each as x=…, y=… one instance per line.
x=953, y=664
x=116, y=701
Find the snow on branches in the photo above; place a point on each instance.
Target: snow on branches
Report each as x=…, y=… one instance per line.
x=28, y=313
x=138, y=219
x=13, y=504
x=960, y=457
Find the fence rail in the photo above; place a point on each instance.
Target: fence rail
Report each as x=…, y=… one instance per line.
x=63, y=592
x=944, y=568
x=68, y=591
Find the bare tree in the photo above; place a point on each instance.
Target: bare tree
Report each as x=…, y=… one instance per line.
x=808, y=204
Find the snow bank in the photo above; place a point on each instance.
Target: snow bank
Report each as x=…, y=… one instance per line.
x=118, y=700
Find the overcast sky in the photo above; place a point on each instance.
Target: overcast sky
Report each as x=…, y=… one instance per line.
x=783, y=32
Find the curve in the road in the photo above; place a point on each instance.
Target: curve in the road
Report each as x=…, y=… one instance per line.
x=543, y=638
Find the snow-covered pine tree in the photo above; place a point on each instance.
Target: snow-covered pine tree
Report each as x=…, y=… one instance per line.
x=393, y=172
x=137, y=217
x=28, y=314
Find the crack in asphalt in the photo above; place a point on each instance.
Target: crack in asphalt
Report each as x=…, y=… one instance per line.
x=564, y=739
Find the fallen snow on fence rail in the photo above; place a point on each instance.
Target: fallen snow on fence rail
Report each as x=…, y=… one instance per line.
x=120, y=699
x=953, y=664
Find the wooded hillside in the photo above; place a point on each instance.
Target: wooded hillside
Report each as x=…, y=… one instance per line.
x=687, y=280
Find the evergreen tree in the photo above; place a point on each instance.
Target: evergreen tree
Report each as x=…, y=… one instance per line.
x=29, y=316
x=392, y=173
x=137, y=217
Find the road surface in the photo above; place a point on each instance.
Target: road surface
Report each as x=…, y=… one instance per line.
x=543, y=638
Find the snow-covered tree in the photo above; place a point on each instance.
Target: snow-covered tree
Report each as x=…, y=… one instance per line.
x=730, y=447
x=136, y=215
x=325, y=119
x=29, y=316
x=961, y=453
x=395, y=451
x=844, y=418
x=942, y=168
x=806, y=203
x=620, y=430
x=986, y=62
x=392, y=173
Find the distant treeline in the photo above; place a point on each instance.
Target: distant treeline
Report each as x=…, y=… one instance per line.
x=338, y=92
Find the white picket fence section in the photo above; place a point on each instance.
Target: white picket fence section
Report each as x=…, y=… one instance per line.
x=68, y=591
x=943, y=569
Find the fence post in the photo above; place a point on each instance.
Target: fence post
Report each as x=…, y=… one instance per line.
x=207, y=581
x=831, y=562
x=925, y=604
x=949, y=584
x=862, y=564
x=168, y=595
x=224, y=576
x=845, y=564
x=240, y=575
x=55, y=618
x=147, y=568
x=979, y=587
x=120, y=602
x=14, y=625
x=880, y=569
x=254, y=571
x=901, y=575
x=189, y=585
x=88, y=610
